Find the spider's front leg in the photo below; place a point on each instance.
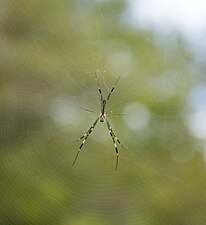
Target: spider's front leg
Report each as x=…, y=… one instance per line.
x=112, y=89
x=100, y=91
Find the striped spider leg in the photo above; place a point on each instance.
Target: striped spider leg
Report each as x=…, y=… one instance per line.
x=101, y=118
x=112, y=89
x=85, y=136
x=114, y=139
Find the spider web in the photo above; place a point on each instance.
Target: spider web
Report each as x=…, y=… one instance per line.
x=50, y=53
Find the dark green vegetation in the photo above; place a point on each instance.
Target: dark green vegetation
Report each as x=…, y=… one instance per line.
x=49, y=52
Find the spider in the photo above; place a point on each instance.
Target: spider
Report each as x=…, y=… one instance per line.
x=101, y=118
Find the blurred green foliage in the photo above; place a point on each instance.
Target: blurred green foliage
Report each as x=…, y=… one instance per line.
x=51, y=49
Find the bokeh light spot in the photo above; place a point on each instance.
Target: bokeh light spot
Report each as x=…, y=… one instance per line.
x=197, y=111
x=136, y=116
x=64, y=111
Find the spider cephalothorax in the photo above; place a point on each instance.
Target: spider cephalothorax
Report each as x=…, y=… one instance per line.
x=103, y=105
x=101, y=118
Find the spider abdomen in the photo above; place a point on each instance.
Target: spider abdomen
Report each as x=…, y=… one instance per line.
x=102, y=118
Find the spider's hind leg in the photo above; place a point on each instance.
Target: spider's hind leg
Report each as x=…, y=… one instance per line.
x=85, y=136
x=114, y=142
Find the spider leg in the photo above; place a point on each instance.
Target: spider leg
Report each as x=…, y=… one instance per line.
x=112, y=89
x=119, y=142
x=100, y=91
x=115, y=137
x=114, y=142
x=85, y=136
x=115, y=114
x=88, y=110
x=79, y=138
x=115, y=146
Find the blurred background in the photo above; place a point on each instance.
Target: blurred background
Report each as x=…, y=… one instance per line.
x=49, y=54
